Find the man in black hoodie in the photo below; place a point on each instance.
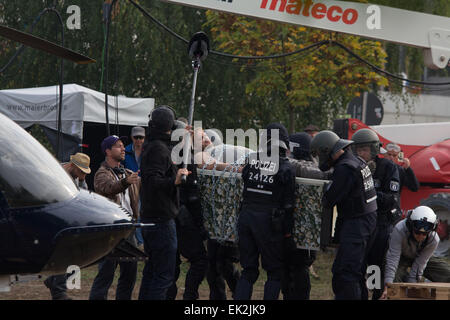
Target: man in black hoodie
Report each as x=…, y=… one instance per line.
x=160, y=205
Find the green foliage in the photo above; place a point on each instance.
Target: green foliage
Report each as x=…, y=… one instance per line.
x=323, y=80
x=145, y=61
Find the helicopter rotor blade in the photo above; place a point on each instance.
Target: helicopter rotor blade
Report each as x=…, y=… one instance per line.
x=44, y=45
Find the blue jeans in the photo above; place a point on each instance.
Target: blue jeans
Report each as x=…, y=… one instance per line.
x=138, y=234
x=160, y=244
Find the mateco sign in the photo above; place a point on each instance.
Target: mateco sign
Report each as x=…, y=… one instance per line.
x=361, y=19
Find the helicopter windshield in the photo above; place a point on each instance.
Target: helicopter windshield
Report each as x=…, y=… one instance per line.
x=29, y=174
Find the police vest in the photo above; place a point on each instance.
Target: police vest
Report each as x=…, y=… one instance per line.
x=363, y=196
x=387, y=181
x=261, y=185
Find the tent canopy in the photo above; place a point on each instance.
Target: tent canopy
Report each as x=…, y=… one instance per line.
x=80, y=104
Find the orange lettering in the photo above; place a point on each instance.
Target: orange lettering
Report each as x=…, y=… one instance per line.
x=354, y=15
x=331, y=10
x=308, y=4
x=319, y=11
x=295, y=7
x=264, y=4
x=274, y=3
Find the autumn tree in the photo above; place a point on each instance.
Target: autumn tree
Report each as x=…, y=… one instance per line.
x=324, y=79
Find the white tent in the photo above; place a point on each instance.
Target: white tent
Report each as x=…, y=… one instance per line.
x=80, y=104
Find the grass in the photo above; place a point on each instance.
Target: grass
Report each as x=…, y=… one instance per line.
x=35, y=290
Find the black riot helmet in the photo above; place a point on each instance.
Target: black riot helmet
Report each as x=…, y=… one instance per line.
x=283, y=136
x=162, y=119
x=325, y=144
x=366, y=137
x=300, y=143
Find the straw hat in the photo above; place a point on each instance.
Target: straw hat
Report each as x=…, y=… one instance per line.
x=82, y=161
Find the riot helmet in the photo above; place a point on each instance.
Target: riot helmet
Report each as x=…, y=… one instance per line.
x=366, y=138
x=324, y=145
x=282, y=141
x=300, y=143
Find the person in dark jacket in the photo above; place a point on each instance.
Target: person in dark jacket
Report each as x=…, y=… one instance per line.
x=160, y=205
x=387, y=185
x=190, y=234
x=265, y=220
x=352, y=191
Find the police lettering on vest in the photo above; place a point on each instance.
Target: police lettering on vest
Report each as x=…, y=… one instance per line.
x=260, y=180
x=364, y=195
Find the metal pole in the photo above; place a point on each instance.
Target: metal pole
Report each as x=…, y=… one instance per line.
x=61, y=86
x=105, y=62
x=364, y=107
x=187, y=150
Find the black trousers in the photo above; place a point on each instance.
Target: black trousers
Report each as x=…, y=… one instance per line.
x=190, y=246
x=296, y=283
x=222, y=259
x=378, y=250
x=105, y=277
x=350, y=265
x=258, y=239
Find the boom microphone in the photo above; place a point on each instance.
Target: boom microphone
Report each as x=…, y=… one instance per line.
x=199, y=46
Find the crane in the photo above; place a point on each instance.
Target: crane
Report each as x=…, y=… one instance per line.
x=416, y=29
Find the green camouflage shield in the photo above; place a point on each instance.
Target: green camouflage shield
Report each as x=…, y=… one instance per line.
x=221, y=194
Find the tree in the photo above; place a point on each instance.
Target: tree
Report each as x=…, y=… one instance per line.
x=325, y=79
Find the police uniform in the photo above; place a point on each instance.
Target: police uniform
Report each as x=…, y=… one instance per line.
x=387, y=184
x=190, y=235
x=352, y=191
x=296, y=283
x=264, y=220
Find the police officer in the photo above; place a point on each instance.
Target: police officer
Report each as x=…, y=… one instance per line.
x=265, y=219
x=296, y=283
x=352, y=191
x=387, y=185
x=190, y=234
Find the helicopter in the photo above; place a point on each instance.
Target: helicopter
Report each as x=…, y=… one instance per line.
x=46, y=222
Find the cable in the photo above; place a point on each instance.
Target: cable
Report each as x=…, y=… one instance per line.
x=222, y=54
x=379, y=70
x=374, y=67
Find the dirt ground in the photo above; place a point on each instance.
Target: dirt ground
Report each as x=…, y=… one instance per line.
x=36, y=290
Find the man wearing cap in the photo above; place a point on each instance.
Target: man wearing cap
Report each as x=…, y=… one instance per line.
x=133, y=151
x=120, y=185
x=160, y=204
x=77, y=168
